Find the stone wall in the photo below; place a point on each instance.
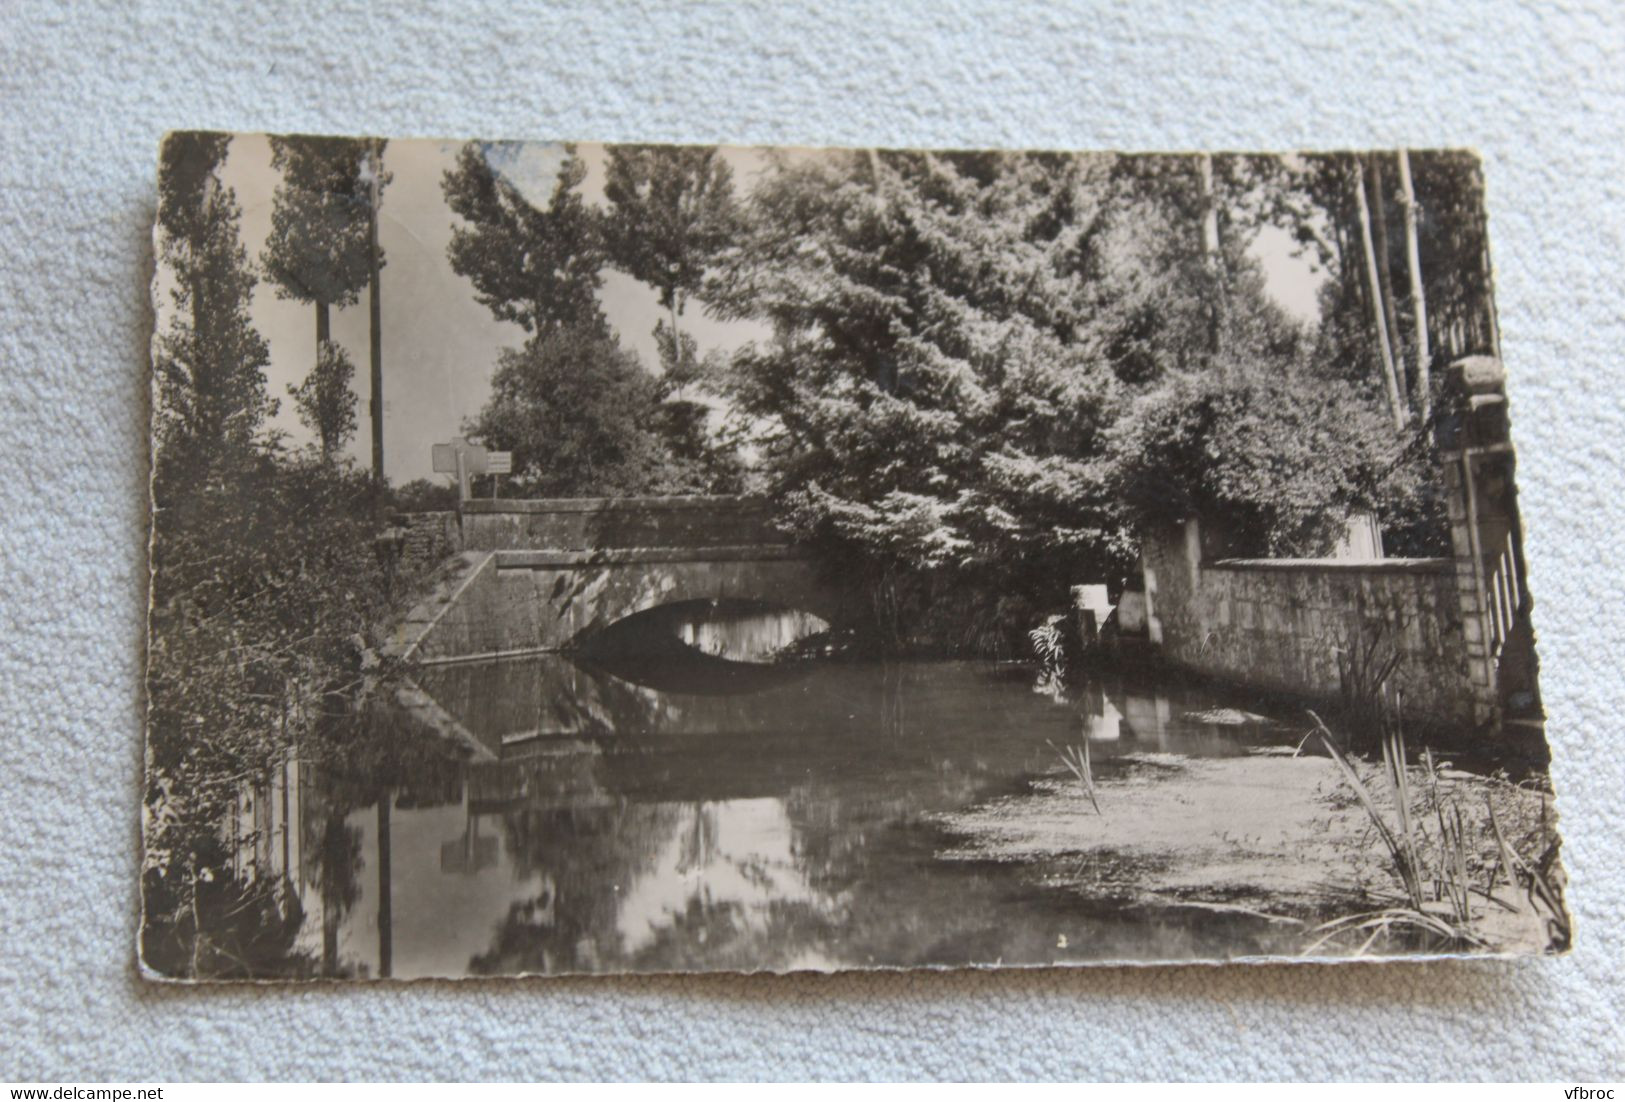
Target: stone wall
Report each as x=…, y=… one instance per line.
x=1279, y=624
x=579, y=524
x=426, y=538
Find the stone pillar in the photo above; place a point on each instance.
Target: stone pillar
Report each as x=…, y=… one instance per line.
x=1476, y=452
x=1092, y=606
x=1171, y=563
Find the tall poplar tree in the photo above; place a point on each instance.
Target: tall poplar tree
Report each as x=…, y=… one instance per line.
x=671, y=214
x=323, y=246
x=1419, y=304
x=210, y=363
x=1379, y=322
x=536, y=266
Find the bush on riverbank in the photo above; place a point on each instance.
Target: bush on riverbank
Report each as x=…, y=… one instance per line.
x=270, y=595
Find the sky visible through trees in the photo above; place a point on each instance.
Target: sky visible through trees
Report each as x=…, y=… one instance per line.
x=442, y=346
x=950, y=364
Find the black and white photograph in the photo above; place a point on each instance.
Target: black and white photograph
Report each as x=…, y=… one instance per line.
x=607, y=558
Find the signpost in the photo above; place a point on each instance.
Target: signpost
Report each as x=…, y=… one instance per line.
x=459, y=457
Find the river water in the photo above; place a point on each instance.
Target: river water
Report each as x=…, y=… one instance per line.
x=674, y=812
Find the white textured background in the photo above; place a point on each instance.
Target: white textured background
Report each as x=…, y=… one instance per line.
x=84, y=95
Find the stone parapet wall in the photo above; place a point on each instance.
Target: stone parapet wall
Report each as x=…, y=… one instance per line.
x=497, y=603
x=581, y=524
x=1281, y=625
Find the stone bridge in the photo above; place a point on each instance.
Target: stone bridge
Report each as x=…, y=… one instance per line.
x=546, y=575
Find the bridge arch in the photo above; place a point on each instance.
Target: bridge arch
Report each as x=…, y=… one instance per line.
x=583, y=600
x=550, y=575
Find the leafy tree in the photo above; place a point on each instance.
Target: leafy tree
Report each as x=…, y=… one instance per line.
x=318, y=250
x=935, y=394
x=538, y=267
x=989, y=370
x=267, y=595
x=1278, y=461
x=325, y=401
x=541, y=268
x=575, y=409
x=671, y=214
x=1316, y=198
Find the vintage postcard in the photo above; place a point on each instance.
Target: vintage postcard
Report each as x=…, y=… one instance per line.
x=575, y=558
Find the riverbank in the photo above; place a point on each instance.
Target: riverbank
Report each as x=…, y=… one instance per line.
x=1272, y=834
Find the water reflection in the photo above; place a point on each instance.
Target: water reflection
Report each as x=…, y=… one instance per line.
x=733, y=630
x=610, y=825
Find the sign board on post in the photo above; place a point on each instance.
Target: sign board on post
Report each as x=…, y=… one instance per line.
x=498, y=464
x=462, y=459
x=444, y=458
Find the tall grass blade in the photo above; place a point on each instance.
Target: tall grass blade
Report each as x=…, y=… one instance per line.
x=1540, y=889
x=1077, y=762
x=1395, y=852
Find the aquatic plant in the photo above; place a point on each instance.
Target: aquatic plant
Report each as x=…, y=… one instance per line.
x=1049, y=643
x=1366, y=660
x=1399, y=839
x=1435, y=874
x=1076, y=761
x=1540, y=893
x=1403, y=842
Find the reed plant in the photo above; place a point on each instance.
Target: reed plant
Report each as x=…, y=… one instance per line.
x=1076, y=760
x=1435, y=873
x=1404, y=841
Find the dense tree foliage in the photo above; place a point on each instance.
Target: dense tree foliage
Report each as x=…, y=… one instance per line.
x=1277, y=463
x=581, y=414
x=671, y=214
x=573, y=408
x=991, y=371
x=935, y=397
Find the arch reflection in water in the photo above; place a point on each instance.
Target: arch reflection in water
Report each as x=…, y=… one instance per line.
x=728, y=629
x=548, y=698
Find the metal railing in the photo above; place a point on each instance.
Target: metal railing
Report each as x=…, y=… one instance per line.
x=1505, y=596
